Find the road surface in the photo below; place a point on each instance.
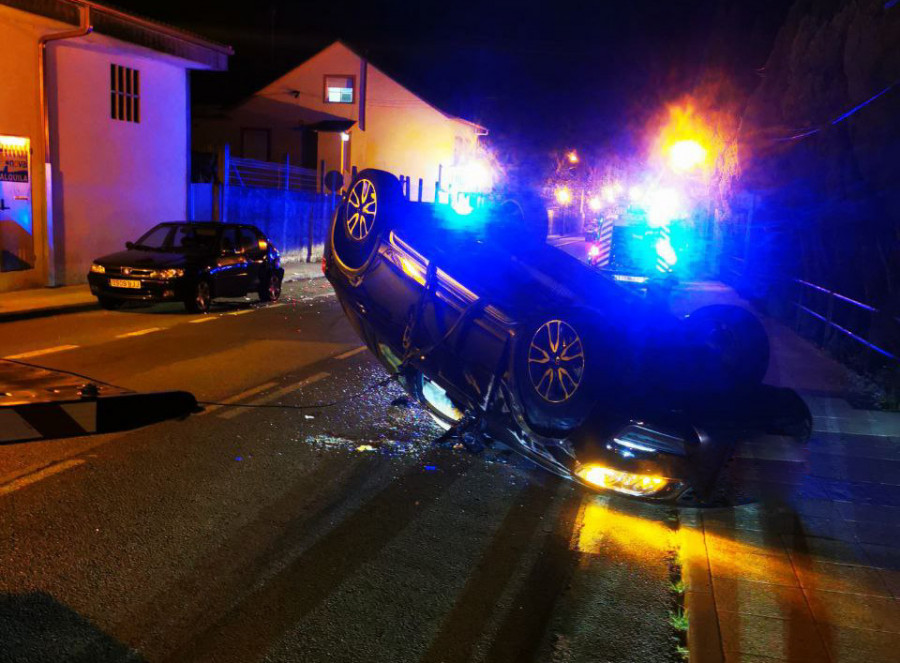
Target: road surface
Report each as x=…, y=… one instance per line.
x=308, y=517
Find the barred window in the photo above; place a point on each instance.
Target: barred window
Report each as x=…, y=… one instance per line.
x=124, y=93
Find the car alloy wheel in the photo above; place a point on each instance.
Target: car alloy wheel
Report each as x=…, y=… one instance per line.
x=362, y=206
x=556, y=361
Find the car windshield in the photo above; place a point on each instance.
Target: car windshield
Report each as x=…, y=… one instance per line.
x=180, y=238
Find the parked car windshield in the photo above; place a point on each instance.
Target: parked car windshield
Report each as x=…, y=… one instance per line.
x=180, y=238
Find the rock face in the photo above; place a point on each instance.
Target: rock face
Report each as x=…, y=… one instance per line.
x=820, y=150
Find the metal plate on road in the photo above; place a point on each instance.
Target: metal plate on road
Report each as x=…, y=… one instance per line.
x=21, y=384
x=124, y=283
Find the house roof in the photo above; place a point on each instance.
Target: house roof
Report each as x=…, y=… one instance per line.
x=112, y=22
x=482, y=130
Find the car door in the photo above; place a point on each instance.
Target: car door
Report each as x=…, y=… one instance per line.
x=230, y=271
x=254, y=249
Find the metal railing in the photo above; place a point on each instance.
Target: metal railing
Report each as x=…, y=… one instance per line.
x=268, y=175
x=839, y=313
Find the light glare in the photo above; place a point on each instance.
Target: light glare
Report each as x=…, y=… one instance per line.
x=686, y=155
x=664, y=206
x=563, y=195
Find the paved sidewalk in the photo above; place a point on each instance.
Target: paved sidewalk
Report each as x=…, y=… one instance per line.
x=39, y=302
x=808, y=568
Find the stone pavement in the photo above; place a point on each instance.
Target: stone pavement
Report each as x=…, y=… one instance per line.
x=807, y=567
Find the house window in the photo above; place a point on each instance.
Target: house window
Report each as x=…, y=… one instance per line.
x=339, y=89
x=124, y=93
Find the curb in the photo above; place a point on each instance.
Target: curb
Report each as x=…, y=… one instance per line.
x=704, y=639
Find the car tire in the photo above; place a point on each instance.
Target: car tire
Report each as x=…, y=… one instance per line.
x=270, y=287
x=374, y=197
x=200, y=297
x=560, y=363
x=733, y=345
x=110, y=303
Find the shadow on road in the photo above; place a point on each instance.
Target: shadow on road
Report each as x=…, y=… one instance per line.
x=37, y=627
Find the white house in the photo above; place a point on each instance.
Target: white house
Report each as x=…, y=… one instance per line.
x=337, y=111
x=94, y=133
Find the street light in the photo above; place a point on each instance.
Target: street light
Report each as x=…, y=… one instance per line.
x=572, y=157
x=563, y=195
x=686, y=155
x=595, y=203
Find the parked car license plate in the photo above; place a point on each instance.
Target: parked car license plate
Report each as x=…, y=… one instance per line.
x=124, y=283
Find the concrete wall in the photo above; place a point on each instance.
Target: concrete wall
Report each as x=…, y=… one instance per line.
x=20, y=116
x=113, y=179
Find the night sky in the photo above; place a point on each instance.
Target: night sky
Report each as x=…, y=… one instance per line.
x=539, y=75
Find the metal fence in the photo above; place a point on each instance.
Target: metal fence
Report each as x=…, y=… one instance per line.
x=269, y=175
x=830, y=317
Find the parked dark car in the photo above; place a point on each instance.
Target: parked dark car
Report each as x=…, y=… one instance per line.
x=503, y=338
x=191, y=262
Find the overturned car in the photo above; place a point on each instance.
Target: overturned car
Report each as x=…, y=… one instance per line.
x=504, y=338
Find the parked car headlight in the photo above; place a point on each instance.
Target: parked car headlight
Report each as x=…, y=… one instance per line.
x=167, y=273
x=98, y=269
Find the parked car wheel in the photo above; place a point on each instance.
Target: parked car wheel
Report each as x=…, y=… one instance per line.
x=270, y=287
x=733, y=344
x=360, y=220
x=558, y=365
x=200, y=298
x=110, y=303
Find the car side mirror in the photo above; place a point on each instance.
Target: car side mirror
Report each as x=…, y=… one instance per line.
x=129, y=245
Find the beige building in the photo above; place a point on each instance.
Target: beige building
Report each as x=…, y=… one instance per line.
x=336, y=111
x=94, y=133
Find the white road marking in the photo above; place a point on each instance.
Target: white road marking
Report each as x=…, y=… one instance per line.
x=206, y=318
x=239, y=397
x=242, y=311
x=275, y=395
x=45, y=351
x=34, y=477
x=274, y=305
x=350, y=353
x=140, y=332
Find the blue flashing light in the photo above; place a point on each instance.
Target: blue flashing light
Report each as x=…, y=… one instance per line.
x=430, y=468
x=664, y=206
x=461, y=215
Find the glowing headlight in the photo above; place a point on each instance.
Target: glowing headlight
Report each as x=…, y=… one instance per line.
x=167, y=273
x=98, y=269
x=640, y=485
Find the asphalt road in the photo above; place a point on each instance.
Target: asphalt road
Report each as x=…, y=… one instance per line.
x=293, y=531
